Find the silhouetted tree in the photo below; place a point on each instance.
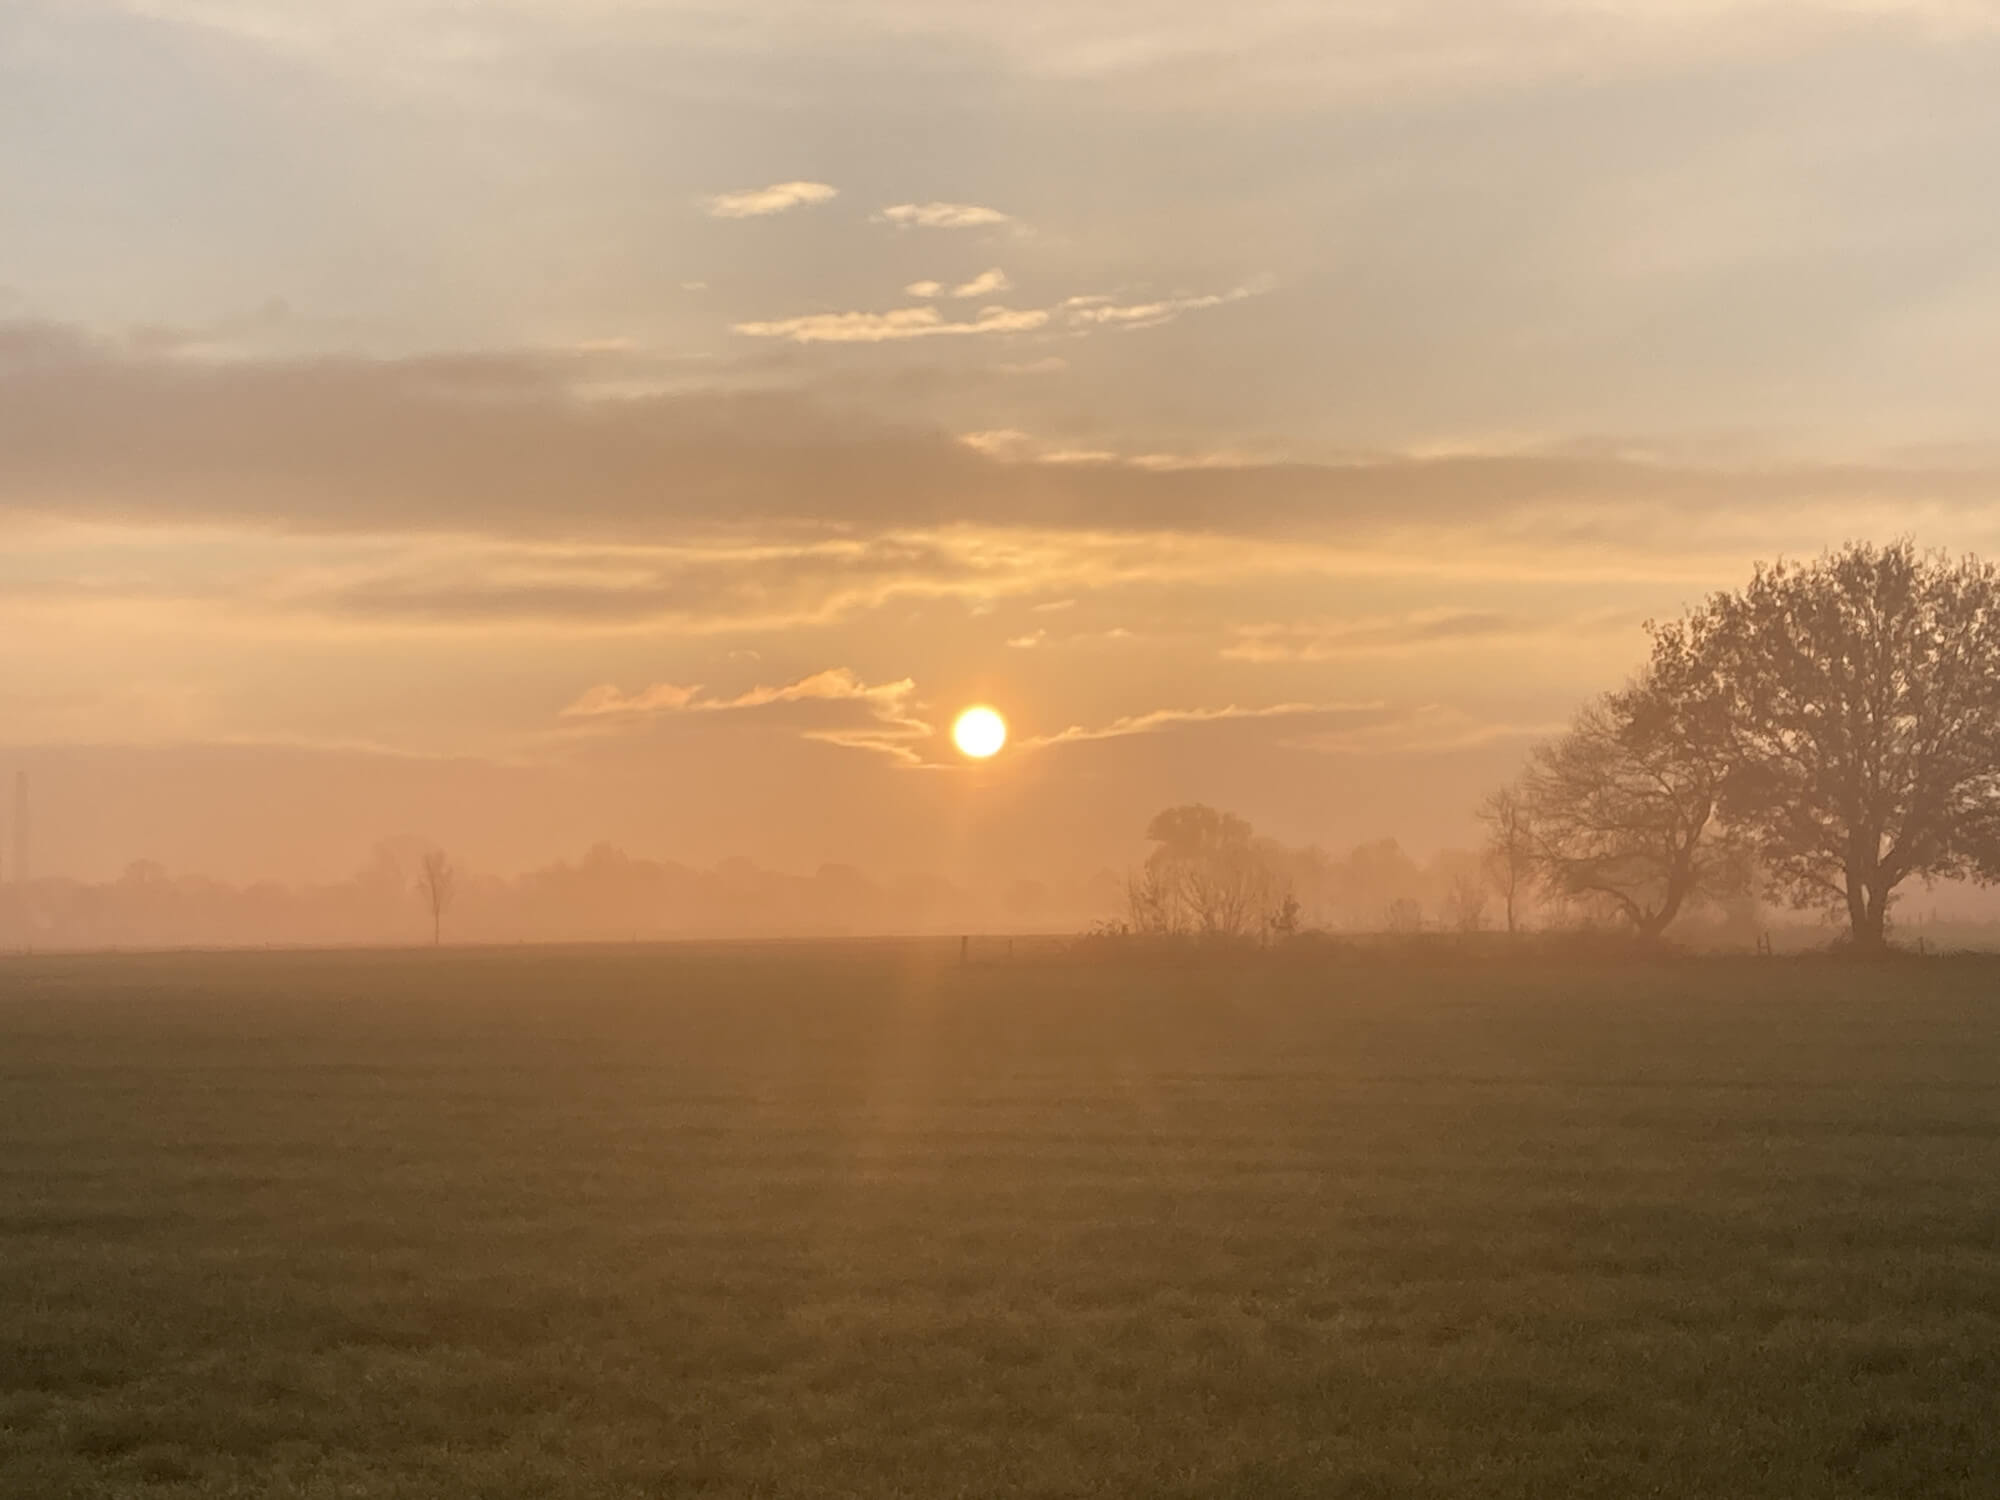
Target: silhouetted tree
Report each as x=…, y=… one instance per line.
x=1510, y=850
x=1207, y=875
x=1623, y=809
x=437, y=881
x=1861, y=698
x=1150, y=903
x=1465, y=902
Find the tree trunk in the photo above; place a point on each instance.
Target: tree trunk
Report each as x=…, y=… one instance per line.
x=1872, y=935
x=1867, y=915
x=1857, y=913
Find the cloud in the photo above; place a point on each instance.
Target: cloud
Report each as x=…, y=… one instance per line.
x=1101, y=311
x=1422, y=729
x=838, y=708
x=999, y=442
x=1361, y=728
x=1011, y=445
x=901, y=323
x=1278, y=49
x=943, y=216
x=1336, y=640
x=702, y=588
x=778, y=198
x=834, y=685
x=985, y=284
x=607, y=701
x=1171, y=718
x=1116, y=635
x=515, y=443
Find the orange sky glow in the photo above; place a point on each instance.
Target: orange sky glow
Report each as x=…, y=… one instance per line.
x=522, y=426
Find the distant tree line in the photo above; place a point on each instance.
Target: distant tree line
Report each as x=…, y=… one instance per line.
x=1209, y=875
x=408, y=891
x=1822, y=736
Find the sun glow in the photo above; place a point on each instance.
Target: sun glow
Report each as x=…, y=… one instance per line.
x=979, y=733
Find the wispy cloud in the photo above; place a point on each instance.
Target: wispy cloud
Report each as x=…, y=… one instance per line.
x=758, y=203
x=1099, y=310
x=1456, y=629
x=985, y=284
x=1362, y=728
x=1428, y=728
x=943, y=216
x=1170, y=718
x=836, y=684
x=842, y=709
x=515, y=443
x=608, y=701
x=1011, y=445
x=897, y=324
x=999, y=442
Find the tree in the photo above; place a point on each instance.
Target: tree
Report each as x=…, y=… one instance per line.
x=1623, y=808
x=1209, y=875
x=1150, y=903
x=1465, y=902
x=437, y=882
x=1861, y=698
x=1510, y=850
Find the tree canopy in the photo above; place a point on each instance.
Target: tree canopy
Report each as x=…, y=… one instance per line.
x=1623, y=808
x=1861, y=698
x=1836, y=722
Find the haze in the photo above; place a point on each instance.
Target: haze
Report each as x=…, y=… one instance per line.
x=521, y=426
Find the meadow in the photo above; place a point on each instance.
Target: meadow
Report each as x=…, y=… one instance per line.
x=787, y=1221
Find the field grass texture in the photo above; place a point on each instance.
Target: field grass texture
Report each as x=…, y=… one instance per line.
x=861, y=1221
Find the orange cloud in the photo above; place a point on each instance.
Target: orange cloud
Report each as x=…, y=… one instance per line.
x=881, y=716
x=944, y=216
x=779, y=197
x=895, y=325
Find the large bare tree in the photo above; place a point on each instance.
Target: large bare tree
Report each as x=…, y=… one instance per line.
x=1623, y=810
x=1861, y=699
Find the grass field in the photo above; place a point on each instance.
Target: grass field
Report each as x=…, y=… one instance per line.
x=817, y=1222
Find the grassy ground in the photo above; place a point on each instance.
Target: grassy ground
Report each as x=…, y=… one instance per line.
x=785, y=1222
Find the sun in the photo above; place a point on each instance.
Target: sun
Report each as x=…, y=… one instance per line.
x=979, y=733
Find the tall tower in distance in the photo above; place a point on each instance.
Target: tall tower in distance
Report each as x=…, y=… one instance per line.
x=20, y=828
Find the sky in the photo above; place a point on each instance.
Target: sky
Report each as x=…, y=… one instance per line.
x=521, y=424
